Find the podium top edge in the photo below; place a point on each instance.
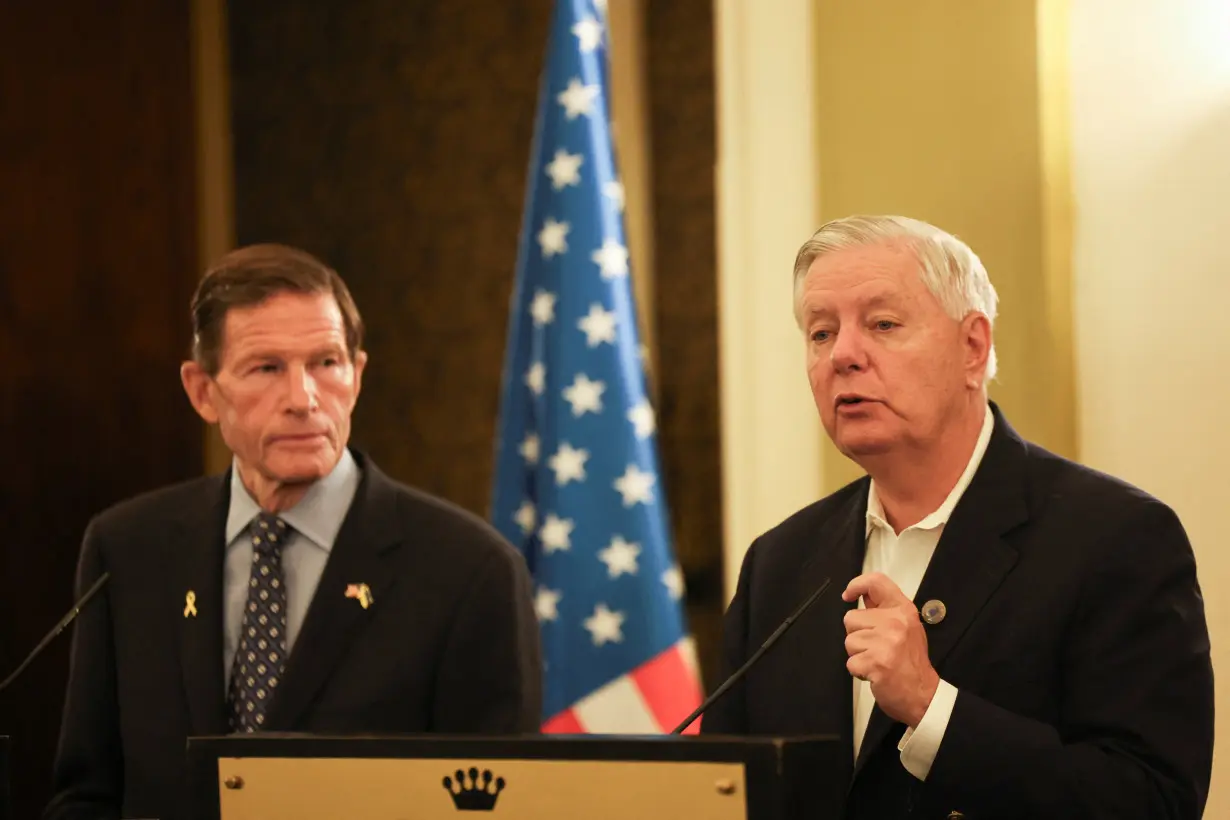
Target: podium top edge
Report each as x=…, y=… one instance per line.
x=713, y=748
x=747, y=740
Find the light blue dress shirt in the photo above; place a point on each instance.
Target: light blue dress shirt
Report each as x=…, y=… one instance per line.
x=315, y=520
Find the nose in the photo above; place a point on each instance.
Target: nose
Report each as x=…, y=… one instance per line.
x=848, y=353
x=301, y=393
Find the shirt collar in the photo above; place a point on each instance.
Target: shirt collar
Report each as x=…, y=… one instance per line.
x=875, y=510
x=319, y=514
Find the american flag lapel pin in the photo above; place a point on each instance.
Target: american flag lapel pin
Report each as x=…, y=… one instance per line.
x=360, y=592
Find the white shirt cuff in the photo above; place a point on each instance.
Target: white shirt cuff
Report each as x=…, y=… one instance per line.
x=920, y=745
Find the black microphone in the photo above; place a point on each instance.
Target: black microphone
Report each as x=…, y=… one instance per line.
x=60, y=627
x=764, y=647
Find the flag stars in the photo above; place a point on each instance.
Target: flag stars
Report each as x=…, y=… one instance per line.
x=620, y=557
x=614, y=191
x=546, y=604
x=564, y=169
x=568, y=464
x=612, y=259
x=605, y=626
x=556, y=533
x=530, y=448
x=598, y=325
x=635, y=486
x=542, y=308
x=553, y=238
x=526, y=517
x=643, y=420
x=672, y=579
x=584, y=395
x=588, y=32
x=536, y=378
x=578, y=98
x=576, y=392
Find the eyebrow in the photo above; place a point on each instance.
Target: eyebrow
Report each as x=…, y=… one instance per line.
x=265, y=355
x=880, y=300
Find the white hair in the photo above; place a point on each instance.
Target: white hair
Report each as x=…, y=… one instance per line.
x=948, y=267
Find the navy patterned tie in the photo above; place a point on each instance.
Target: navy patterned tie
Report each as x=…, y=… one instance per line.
x=257, y=669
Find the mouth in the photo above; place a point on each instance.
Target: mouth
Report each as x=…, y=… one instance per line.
x=297, y=438
x=851, y=400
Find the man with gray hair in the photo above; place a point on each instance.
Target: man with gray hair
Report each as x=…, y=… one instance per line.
x=1018, y=635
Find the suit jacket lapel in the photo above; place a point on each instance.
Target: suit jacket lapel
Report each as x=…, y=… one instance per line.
x=971, y=560
x=838, y=557
x=332, y=620
x=202, y=535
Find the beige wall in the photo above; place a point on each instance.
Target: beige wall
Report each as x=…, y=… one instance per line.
x=939, y=111
x=767, y=206
x=1151, y=171
x=1083, y=148
x=830, y=108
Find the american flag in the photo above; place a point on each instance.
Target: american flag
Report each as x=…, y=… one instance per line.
x=577, y=482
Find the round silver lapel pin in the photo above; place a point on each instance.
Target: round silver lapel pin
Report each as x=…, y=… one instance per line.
x=934, y=611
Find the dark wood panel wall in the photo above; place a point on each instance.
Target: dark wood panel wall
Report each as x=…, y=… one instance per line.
x=389, y=137
x=392, y=138
x=682, y=118
x=97, y=262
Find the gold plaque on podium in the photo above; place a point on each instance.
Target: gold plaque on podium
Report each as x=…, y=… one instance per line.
x=456, y=789
x=281, y=776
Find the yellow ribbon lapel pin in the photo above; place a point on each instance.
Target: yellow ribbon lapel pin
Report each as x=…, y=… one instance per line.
x=190, y=604
x=361, y=592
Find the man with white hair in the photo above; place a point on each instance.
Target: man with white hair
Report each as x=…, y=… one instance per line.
x=1018, y=635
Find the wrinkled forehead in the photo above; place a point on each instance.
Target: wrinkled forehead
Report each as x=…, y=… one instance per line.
x=287, y=324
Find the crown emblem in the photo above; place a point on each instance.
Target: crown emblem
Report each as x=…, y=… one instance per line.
x=476, y=795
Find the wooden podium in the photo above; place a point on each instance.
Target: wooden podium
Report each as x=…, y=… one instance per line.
x=271, y=776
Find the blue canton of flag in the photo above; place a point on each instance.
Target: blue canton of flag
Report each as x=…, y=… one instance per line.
x=577, y=484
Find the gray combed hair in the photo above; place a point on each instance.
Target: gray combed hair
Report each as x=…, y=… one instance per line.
x=949, y=268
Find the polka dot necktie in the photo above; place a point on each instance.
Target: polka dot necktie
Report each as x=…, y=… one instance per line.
x=257, y=669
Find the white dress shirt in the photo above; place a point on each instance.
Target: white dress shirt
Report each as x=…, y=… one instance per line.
x=903, y=558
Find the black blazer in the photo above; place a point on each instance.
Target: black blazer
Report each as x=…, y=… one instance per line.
x=449, y=644
x=1075, y=634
